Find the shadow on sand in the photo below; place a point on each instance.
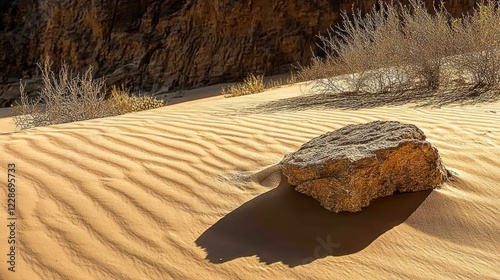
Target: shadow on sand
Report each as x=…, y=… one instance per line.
x=285, y=226
x=355, y=101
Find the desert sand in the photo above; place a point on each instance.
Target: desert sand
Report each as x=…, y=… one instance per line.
x=192, y=191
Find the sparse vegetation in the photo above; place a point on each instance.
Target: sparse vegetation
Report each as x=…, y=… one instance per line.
x=478, y=39
x=291, y=79
x=398, y=48
x=250, y=85
x=255, y=84
x=124, y=102
x=68, y=98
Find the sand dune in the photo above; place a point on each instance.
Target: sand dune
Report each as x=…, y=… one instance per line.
x=192, y=191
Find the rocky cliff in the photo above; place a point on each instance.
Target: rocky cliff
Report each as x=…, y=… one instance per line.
x=163, y=44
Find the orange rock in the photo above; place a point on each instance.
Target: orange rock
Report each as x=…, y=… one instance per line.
x=347, y=168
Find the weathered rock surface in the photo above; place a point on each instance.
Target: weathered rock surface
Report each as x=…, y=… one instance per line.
x=153, y=45
x=347, y=168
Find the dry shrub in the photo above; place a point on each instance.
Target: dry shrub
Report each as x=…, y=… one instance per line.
x=362, y=50
x=275, y=83
x=68, y=98
x=318, y=68
x=400, y=47
x=255, y=84
x=251, y=84
x=124, y=102
x=427, y=41
x=479, y=44
x=63, y=98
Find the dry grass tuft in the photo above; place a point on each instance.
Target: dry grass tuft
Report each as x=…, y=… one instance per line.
x=68, y=98
x=255, y=84
x=124, y=102
x=251, y=84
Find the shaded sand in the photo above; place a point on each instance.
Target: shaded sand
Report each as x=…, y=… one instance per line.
x=192, y=191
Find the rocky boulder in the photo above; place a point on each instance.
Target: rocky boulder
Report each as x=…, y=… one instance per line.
x=347, y=168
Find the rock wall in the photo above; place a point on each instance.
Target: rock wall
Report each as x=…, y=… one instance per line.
x=150, y=45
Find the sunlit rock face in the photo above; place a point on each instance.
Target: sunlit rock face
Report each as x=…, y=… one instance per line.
x=347, y=168
x=160, y=45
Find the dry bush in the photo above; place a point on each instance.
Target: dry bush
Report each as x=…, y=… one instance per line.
x=398, y=47
x=427, y=42
x=124, y=102
x=364, y=51
x=291, y=79
x=255, y=84
x=251, y=84
x=68, y=98
x=318, y=68
x=63, y=98
x=479, y=44
x=326, y=74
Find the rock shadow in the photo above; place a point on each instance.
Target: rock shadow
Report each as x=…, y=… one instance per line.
x=285, y=226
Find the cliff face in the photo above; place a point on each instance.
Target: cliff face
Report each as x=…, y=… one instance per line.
x=168, y=44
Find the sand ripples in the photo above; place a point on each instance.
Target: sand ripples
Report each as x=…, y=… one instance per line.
x=126, y=197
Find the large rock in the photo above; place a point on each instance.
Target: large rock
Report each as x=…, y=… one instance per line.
x=152, y=45
x=347, y=168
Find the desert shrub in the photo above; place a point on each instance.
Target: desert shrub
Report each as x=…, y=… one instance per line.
x=250, y=85
x=427, y=42
x=365, y=50
x=275, y=83
x=404, y=47
x=255, y=84
x=65, y=97
x=479, y=44
x=124, y=102
x=318, y=68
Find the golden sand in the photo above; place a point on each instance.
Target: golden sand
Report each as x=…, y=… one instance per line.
x=192, y=191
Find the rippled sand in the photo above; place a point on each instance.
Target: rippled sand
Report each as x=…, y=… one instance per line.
x=192, y=191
